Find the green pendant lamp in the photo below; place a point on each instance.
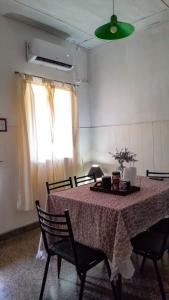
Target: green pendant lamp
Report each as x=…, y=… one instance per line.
x=114, y=30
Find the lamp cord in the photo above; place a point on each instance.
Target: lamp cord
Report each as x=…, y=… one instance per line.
x=113, y=7
x=163, y=3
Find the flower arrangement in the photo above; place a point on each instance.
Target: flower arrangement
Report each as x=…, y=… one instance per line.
x=124, y=155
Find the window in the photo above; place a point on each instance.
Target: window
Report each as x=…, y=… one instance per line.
x=54, y=137
x=47, y=136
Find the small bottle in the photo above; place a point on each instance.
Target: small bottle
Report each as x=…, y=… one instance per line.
x=115, y=180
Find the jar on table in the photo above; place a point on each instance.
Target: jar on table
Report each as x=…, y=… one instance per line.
x=116, y=180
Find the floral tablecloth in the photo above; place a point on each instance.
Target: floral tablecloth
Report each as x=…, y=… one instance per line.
x=108, y=221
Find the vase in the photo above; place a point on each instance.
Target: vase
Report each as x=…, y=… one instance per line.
x=121, y=169
x=130, y=175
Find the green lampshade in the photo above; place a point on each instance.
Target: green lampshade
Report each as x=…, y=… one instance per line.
x=114, y=30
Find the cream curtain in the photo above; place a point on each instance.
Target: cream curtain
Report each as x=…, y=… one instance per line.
x=33, y=173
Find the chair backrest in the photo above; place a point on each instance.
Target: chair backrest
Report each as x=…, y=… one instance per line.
x=159, y=175
x=59, y=184
x=79, y=180
x=162, y=227
x=56, y=226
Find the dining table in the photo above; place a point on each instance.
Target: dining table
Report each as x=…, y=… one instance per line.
x=108, y=222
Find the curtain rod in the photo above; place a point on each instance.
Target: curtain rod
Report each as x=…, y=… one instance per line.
x=16, y=72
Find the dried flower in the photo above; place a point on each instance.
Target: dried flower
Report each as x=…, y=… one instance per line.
x=124, y=155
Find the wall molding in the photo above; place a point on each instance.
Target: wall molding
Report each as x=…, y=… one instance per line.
x=18, y=231
x=127, y=124
x=123, y=124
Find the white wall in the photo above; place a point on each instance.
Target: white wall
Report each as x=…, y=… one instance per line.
x=85, y=127
x=129, y=106
x=12, y=58
x=129, y=93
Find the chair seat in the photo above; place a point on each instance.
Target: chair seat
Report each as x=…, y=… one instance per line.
x=149, y=242
x=87, y=256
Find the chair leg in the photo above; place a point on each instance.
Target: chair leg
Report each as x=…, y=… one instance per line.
x=59, y=261
x=119, y=282
x=143, y=263
x=109, y=273
x=44, y=277
x=79, y=275
x=159, y=280
x=83, y=277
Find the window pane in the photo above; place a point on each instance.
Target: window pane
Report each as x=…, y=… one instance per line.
x=63, y=143
x=41, y=143
x=46, y=142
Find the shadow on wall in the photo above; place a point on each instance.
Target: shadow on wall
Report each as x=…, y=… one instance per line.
x=105, y=167
x=108, y=168
x=86, y=165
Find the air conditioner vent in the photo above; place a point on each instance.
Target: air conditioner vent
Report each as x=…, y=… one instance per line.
x=54, y=62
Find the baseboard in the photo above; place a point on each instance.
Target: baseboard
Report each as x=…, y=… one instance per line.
x=17, y=231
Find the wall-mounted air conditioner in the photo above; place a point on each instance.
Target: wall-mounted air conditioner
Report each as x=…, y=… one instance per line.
x=49, y=55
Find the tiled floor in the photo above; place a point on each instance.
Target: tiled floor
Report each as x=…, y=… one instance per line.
x=21, y=274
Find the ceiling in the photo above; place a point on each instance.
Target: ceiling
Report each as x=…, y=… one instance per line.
x=78, y=19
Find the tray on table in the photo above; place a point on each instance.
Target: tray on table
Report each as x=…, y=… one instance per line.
x=131, y=190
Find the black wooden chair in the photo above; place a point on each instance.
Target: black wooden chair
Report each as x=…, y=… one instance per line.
x=162, y=225
x=67, y=183
x=151, y=245
x=79, y=180
x=58, y=228
x=157, y=175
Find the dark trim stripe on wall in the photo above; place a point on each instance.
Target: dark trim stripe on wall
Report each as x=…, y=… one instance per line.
x=123, y=124
x=18, y=231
